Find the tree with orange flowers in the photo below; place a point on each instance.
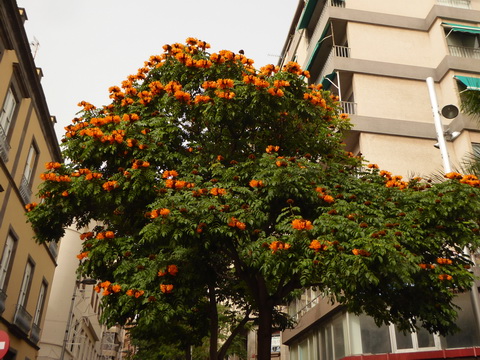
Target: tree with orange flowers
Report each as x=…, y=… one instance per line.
x=217, y=182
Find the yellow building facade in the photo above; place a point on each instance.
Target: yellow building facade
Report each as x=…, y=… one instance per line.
x=27, y=142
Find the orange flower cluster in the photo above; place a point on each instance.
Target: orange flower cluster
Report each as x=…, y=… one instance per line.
x=197, y=193
x=294, y=68
x=300, y=224
x=178, y=184
x=269, y=69
x=372, y=166
x=159, y=212
x=172, y=87
x=217, y=191
x=110, y=185
x=225, y=94
x=137, y=164
x=319, y=246
x=443, y=261
x=105, y=235
x=53, y=165
x=237, y=224
x=55, y=177
x=82, y=255
x=360, y=252
x=202, y=99
x=31, y=206
x=209, y=85
x=182, y=96
x=145, y=97
x=225, y=83
x=275, y=92
x=169, y=174
x=105, y=120
x=86, y=235
x=94, y=132
x=427, y=266
x=71, y=130
x=281, y=83
x=86, y=106
x=171, y=269
x=135, y=293
x=116, y=136
x=321, y=194
x=166, y=288
x=271, y=148
x=256, y=183
x=444, y=277
x=281, y=162
x=471, y=180
x=393, y=181
x=130, y=117
x=156, y=87
x=278, y=245
x=316, y=99
x=108, y=288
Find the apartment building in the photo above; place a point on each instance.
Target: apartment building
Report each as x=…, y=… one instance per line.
x=72, y=328
x=377, y=55
x=27, y=141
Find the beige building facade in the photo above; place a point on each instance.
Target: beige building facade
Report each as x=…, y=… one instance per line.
x=27, y=141
x=377, y=55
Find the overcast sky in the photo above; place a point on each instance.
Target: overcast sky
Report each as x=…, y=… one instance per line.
x=86, y=46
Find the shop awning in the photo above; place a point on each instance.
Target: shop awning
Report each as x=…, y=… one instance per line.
x=463, y=28
x=307, y=14
x=327, y=79
x=472, y=83
x=317, y=47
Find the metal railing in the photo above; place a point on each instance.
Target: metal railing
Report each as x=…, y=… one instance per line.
x=25, y=191
x=466, y=52
x=35, y=333
x=337, y=3
x=349, y=107
x=341, y=51
x=464, y=4
x=4, y=146
x=3, y=297
x=22, y=319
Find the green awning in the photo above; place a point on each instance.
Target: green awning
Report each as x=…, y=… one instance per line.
x=463, y=28
x=472, y=83
x=317, y=47
x=307, y=14
x=326, y=83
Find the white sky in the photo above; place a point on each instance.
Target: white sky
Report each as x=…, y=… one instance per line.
x=86, y=46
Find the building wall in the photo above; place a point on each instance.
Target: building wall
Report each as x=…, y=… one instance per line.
x=30, y=124
x=387, y=50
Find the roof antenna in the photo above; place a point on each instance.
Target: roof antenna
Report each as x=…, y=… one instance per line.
x=34, y=44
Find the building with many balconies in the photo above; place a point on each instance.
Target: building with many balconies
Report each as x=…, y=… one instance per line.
x=377, y=55
x=27, y=141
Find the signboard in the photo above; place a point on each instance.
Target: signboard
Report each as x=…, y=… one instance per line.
x=275, y=343
x=4, y=343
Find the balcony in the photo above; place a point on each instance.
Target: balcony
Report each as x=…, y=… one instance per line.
x=4, y=147
x=35, y=333
x=466, y=52
x=349, y=107
x=3, y=297
x=464, y=4
x=22, y=319
x=328, y=66
x=25, y=191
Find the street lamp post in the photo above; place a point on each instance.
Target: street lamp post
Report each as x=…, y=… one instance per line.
x=70, y=313
x=450, y=112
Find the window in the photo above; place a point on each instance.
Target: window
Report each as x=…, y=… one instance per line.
x=26, y=282
x=6, y=115
x=7, y=255
x=26, y=184
x=41, y=300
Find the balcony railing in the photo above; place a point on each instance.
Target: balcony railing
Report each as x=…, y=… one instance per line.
x=4, y=147
x=349, y=107
x=35, y=333
x=3, y=297
x=22, y=319
x=342, y=51
x=25, y=191
x=464, y=4
x=466, y=52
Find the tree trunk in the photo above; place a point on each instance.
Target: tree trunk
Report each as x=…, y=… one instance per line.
x=264, y=332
